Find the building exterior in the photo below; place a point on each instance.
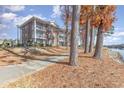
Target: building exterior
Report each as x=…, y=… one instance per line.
x=40, y=31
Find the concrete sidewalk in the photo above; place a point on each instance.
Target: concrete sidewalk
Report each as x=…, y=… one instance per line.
x=13, y=72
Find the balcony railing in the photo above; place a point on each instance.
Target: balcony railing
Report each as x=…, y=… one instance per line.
x=41, y=36
x=43, y=30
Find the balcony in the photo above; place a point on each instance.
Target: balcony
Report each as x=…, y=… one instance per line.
x=40, y=36
x=41, y=28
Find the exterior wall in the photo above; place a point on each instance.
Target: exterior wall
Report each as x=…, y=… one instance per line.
x=26, y=32
x=39, y=32
x=61, y=38
x=49, y=36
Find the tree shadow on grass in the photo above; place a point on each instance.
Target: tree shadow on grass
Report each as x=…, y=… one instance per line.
x=57, y=62
x=49, y=50
x=54, y=50
x=32, y=58
x=23, y=56
x=85, y=56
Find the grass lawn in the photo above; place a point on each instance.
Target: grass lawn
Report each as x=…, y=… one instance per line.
x=90, y=73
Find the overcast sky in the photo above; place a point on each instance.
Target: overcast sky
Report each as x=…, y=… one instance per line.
x=10, y=16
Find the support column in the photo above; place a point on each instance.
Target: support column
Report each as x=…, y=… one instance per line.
x=35, y=30
x=57, y=37
x=20, y=36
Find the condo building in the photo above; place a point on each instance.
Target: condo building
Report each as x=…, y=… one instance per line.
x=40, y=31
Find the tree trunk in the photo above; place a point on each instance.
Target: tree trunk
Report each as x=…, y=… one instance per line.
x=83, y=39
x=57, y=39
x=92, y=32
x=87, y=36
x=99, y=43
x=91, y=39
x=67, y=24
x=66, y=35
x=74, y=36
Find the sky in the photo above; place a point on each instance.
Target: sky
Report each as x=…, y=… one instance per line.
x=10, y=16
x=118, y=36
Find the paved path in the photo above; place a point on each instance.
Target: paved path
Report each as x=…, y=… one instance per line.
x=12, y=72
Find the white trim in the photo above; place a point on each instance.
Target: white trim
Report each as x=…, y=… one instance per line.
x=35, y=36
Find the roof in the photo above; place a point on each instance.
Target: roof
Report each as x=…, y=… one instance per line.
x=50, y=23
x=39, y=20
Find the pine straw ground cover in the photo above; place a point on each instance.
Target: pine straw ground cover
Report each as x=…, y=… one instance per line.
x=16, y=55
x=7, y=58
x=90, y=73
